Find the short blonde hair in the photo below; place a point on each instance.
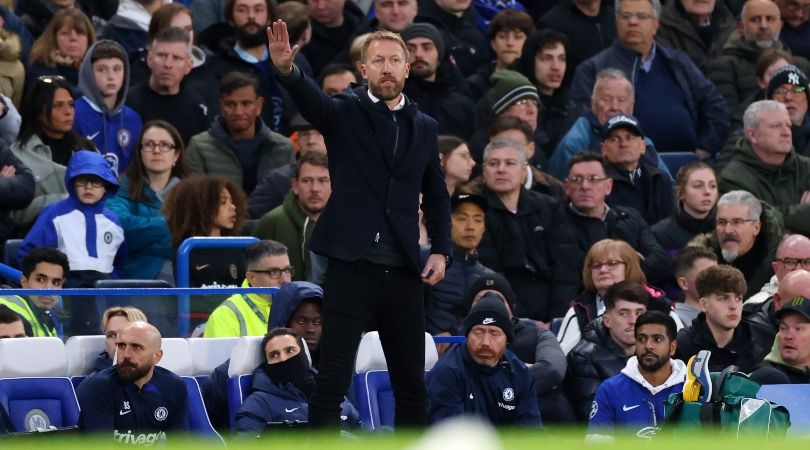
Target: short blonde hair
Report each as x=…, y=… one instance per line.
x=382, y=36
x=130, y=313
x=601, y=249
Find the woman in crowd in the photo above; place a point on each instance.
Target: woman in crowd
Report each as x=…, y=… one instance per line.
x=696, y=190
x=157, y=166
x=456, y=161
x=61, y=47
x=46, y=142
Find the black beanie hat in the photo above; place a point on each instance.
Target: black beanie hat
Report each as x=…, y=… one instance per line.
x=425, y=30
x=490, y=311
x=495, y=282
x=788, y=74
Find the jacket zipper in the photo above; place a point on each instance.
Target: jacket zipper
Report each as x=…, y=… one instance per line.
x=396, y=134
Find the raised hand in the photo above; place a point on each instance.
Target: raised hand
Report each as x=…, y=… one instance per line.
x=279, y=47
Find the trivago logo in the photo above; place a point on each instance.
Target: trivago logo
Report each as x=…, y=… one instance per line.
x=145, y=439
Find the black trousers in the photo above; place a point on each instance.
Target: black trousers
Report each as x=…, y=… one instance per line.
x=354, y=292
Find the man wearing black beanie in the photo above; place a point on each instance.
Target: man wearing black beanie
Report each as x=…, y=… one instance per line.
x=481, y=377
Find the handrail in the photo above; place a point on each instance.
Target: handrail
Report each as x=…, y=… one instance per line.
x=10, y=273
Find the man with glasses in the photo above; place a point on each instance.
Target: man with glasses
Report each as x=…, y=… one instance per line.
x=636, y=184
x=766, y=165
x=719, y=327
x=587, y=186
x=239, y=145
x=796, y=28
x=680, y=108
x=247, y=314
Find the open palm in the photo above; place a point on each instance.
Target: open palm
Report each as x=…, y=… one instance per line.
x=279, y=47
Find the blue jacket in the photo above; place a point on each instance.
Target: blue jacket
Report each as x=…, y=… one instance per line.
x=446, y=304
x=586, y=135
x=269, y=402
x=147, y=234
x=628, y=400
x=287, y=299
x=504, y=394
x=90, y=235
x=706, y=106
x=113, y=131
x=132, y=415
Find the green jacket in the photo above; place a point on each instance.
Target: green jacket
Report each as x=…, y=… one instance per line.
x=48, y=175
x=288, y=224
x=209, y=153
x=23, y=308
x=780, y=186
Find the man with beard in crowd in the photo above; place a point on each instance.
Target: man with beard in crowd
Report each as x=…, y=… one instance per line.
x=137, y=401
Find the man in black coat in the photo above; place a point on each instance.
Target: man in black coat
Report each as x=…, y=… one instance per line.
x=383, y=153
x=16, y=189
x=587, y=186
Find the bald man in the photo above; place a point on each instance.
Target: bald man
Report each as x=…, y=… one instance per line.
x=139, y=402
x=763, y=321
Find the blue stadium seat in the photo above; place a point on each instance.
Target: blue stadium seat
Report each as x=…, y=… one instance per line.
x=10, y=251
x=176, y=356
x=34, y=388
x=245, y=357
x=208, y=353
x=556, y=324
x=676, y=160
x=198, y=421
x=81, y=355
x=794, y=397
x=160, y=310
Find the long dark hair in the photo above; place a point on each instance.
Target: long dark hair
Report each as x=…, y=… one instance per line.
x=38, y=104
x=136, y=172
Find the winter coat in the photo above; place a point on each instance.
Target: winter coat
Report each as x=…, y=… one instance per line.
x=289, y=225
x=678, y=32
x=465, y=43
x=596, y=358
x=760, y=319
x=147, y=234
x=538, y=347
x=270, y=191
x=16, y=192
x=113, y=131
x=442, y=100
x=214, y=152
x=780, y=186
x=447, y=303
x=323, y=46
x=743, y=351
x=794, y=374
x=49, y=178
x=706, y=107
x=12, y=70
x=675, y=231
x=587, y=35
x=526, y=247
x=654, y=199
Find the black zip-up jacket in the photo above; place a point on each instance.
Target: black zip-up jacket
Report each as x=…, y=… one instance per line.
x=588, y=35
x=743, y=351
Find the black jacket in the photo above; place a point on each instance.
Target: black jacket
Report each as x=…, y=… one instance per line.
x=743, y=351
x=653, y=198
x=535, y=250
x=627, y=225
x=466, y=44
x=677, y=31
x=444, y=101
x=327, y=43
x=763, y=324
x=674, y=232
x=596, y=358
x=270, y=191
x=792, y=374
x=588, y=35
x=16, y=192
x=376, y=178
x=538, y=347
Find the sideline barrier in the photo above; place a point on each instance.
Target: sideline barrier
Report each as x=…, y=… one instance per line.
x=10, y=274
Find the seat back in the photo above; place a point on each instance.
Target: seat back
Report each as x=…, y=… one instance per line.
x=160, y=310
x=10, y=251
x=176, y=356
x=237, y=389
x=39, y=402
x=208, y=353
x=794, y=397
x=32, y=357
x=374, y=398
x=245, y=356
x=370, y=354
x=198, y=421
x=676, y=160
x=81, y=353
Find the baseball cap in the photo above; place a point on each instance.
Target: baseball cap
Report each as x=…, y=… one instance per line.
x=799, y=305
x=622, y=121
x=465, y=197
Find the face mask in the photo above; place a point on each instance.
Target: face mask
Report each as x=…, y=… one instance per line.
x=294, y=370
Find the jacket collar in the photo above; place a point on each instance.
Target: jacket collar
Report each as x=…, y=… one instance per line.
x=677, y=376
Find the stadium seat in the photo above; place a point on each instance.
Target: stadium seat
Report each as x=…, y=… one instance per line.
x=374, y=395
x=34, y=389
x=198, y=421
x=556, y=324
x=10, y=251
x=245, y=357
x=208, y=353
x=176, y=356
x=81, y=355
x=160, y=310
x=676, y=160
x=794, y=397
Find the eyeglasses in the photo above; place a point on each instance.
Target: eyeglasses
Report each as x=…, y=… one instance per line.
x=50, y=78
x=792, y=263
x=736, y=223
x=626, y=16
x=157, y=147
x=578, y=180
x=88, y=182
x=795, y=90
x=275, y=273
x=527, y=103
x=611, y=263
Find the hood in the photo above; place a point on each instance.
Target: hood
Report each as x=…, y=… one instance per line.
x=250, y=145
x=775, y=357
x=86, y=162
x=293, y=210
x=87, y=82
x=525, y=64
x=9, y=46
x=287, y=300
x=677, y=376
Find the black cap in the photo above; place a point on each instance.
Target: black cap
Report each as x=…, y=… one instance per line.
x=490, y=311
x=788, y=74
x=298, y=123
x=494, y=282
x=798, y=305
x=464, y=197
x=622, y=121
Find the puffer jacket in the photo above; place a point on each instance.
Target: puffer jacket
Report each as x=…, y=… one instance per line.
x=289, y=225
x=677, y=31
